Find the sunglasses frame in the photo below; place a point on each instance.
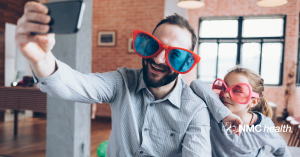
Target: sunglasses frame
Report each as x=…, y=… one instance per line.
x=167, y=49
x=252, y=94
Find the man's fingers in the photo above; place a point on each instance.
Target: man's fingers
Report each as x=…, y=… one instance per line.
x=28, y=27
x=24, y=38
x=233, y=122
x=35, y=7
x=240, y=122
x=237, y=130
x=34, y=17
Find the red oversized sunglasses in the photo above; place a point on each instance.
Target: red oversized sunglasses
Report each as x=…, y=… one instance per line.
x=179, y=59
x=240, y=93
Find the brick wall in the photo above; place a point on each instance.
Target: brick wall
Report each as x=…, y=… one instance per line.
x=249, y=7
x=122, y=16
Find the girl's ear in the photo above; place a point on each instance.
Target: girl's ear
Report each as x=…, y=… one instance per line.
x=253, y=102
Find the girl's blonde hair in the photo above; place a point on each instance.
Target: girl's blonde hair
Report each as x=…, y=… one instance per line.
x=257, y=84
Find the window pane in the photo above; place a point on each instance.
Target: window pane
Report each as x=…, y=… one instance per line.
x=271, y=60
x=218, y=28
x=263, y=27
x=208, y=62
x=250, y=56
x=227, y=58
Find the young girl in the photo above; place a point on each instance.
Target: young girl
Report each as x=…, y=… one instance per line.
x=241, y=92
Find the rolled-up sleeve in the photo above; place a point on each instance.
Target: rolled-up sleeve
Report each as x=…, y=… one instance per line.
x=69, y=84
x=196, y=142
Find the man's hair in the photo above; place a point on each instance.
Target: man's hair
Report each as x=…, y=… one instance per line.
x=181, y=22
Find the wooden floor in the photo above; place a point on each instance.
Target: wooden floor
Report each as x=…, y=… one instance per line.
x=31, y=140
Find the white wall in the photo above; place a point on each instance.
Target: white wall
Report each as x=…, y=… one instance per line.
x=171, y=8
x=10, y=54
x=15, y=62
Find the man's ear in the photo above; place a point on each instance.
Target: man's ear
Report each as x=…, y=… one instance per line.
x=253, y=102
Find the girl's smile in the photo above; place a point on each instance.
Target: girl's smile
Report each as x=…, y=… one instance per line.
x=225, y=103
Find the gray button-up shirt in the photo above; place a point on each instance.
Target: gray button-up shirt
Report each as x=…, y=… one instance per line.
x=141, y=125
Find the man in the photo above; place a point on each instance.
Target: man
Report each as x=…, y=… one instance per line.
x=154, y=112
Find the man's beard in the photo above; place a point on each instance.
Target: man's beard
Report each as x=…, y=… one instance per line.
x=171, y=76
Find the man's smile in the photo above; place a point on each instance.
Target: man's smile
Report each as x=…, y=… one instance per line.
x=155, y=69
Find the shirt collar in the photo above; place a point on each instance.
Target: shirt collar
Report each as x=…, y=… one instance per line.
x=141, y=83
x=174, y=96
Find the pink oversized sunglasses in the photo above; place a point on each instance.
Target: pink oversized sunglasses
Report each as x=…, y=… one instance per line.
x=240, y=93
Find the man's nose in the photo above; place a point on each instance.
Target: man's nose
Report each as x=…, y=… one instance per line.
x=160, y=58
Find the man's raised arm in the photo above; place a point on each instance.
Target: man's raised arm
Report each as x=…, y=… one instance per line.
x=215, y=106
x=56, y=78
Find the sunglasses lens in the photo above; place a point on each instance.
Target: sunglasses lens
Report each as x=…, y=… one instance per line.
x=181, y=60
x=145, y=45
x=240, y=93
x=219, y=87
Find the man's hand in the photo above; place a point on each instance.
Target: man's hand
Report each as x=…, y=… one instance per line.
x=36, y=48
x=233, y=120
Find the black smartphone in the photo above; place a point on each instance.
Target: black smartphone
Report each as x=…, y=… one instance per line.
x=66, y=17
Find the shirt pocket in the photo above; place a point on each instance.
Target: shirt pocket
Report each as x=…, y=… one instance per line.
x=165, y=142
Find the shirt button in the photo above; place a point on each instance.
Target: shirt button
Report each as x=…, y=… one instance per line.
x=43, y=83
x=141, y=152
x=145, y=129
x=171, y=134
